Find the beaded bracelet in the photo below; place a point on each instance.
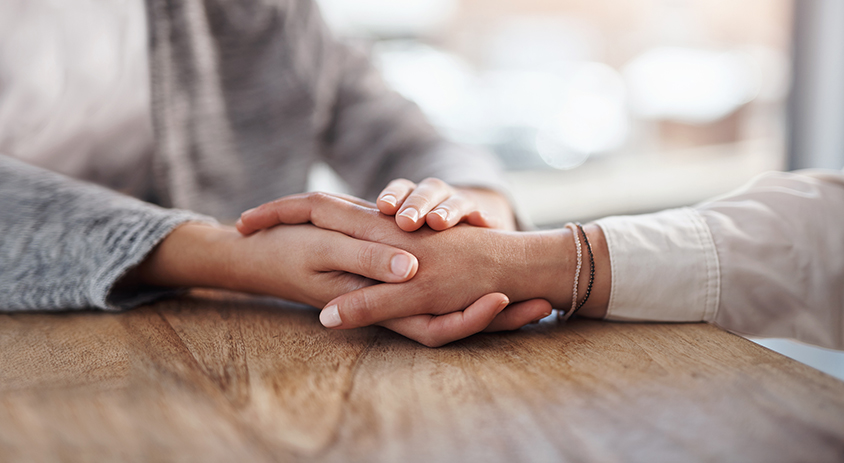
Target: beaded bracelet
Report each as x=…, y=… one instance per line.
x=577, y=229
x=591, y=267
x=570, y=312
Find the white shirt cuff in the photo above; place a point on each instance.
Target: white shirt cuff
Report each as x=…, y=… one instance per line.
x=664, y=267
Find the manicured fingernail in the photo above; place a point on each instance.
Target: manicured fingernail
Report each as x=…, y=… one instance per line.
x=248, y=212
x=442, y=213
x=411, y=214
x=389, y=199
x=330, y=316
x=401, y=265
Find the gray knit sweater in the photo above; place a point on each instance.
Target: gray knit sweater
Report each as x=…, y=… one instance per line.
x=247, y=95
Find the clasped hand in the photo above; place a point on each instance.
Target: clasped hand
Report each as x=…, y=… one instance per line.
x=456, y=281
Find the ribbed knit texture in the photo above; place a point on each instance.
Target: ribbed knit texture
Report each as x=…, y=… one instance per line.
x=64, y=243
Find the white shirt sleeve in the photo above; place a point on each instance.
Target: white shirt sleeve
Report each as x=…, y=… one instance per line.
x=765, y=260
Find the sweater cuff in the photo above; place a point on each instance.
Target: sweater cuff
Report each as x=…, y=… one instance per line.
x=135, y=244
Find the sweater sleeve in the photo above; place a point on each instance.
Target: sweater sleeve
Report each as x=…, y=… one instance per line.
x=766, y=260
x=66, y=243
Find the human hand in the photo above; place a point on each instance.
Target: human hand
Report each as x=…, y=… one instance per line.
x=301, y=263
x=312, y=265
x=409, y=308
x=489, y=313
x=442, y=206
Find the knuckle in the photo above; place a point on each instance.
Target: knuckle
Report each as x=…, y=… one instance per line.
x=367, y=256
x=318, y=197
x=356, y=309
x=401, y=184
x=374, y=231
x=432, y=341
x=419, y=200
x=435, y=182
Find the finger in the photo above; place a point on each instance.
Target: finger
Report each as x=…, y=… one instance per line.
x=520, y=314
x=438, y=330
x=372, y=305
x=334, y=284
x=354, y=200
x=243, y=229
x=481, y=219
x=273, y=213
x=321, y=209
x=279, y=211
x=427, y=195
x=372, y=260
x=393, y=195
x=450, y=212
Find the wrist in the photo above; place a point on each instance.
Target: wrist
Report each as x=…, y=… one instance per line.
x=543, y=266
x=192, y=255
x=540, y=263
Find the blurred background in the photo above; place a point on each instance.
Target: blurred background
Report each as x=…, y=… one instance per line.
x=595, y=107
x=601, y=107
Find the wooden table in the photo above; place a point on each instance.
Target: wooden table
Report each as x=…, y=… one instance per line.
x=221, y=377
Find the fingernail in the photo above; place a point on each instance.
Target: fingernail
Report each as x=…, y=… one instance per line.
x=411, y=214
x=540, y=318
x=389, y=199
x=503, y=304
x=330, y=316
x=248, y=212
x=239, y=223
x=401, y=265
x=442, y=213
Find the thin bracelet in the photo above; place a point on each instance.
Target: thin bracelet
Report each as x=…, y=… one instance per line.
x=571, y=311
x=591, y=267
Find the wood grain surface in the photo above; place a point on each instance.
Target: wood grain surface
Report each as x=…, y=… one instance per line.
x=219, y=377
